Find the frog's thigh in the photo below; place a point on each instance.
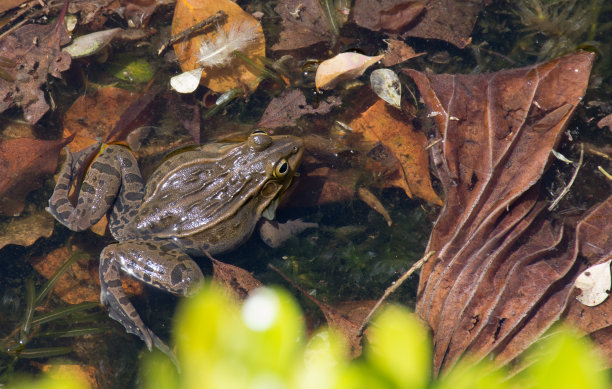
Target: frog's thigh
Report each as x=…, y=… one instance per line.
x=160, y=264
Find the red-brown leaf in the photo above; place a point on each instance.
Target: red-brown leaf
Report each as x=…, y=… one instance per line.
x=24, y=163
x=502, y=271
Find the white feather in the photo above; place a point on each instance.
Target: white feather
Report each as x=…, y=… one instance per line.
x=220, y=51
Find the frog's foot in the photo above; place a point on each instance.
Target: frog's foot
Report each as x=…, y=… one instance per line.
x=157, y=263
x=274, y=234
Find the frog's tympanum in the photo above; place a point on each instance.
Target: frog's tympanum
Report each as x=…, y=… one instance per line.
x=204, y=199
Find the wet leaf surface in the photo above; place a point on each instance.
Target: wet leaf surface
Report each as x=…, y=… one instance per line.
x=304, y=24
x=290, y=105
x=386, y=125
x=25, y=229
x=235, y=279
x=397, y=52
x=81, y=282
x=230, y=72
x=500, y=264
x=25, y=163
x=451, y=21
x=36, y=53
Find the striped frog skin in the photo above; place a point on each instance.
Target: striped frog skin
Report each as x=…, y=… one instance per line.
x=201, y=200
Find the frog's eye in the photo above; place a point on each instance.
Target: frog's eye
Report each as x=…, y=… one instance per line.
x=260, y=140
x=281, y=169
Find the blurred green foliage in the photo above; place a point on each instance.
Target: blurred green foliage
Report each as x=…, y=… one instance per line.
x=221, y=343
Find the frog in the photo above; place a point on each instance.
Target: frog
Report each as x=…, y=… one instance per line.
x=201, y=200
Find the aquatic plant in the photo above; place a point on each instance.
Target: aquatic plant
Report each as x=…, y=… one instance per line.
x=556, y=26
x=26, y=339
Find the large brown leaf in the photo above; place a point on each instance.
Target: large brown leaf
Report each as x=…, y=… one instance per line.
x=502, y=273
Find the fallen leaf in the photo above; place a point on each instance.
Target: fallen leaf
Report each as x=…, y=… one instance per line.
x=187, y=110
x=237, y=280
x=304, y=24
x=10, y=4
x=606, y=121
x=287, y=108
x=92, y=117
x=322, y=185
x=219, y=78
x=368, y=197
x=81, y=376
x=397, y=52
x=81, y=282
x=384, y=124
x=25, y=163
x=595, y=284
x=89, y=44
x=386, y=84
x=451, y=21
x=35, y=51
x=344, y=66
x=502, y=272
x=25, y=229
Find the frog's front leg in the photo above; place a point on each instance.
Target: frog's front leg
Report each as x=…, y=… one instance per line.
x=158, y=263
x=113, y=180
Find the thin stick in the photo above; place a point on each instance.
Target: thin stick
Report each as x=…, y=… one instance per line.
x=417, y=265
x=219, y=16
x=569, y=185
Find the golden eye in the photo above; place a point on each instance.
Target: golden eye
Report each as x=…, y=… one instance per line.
x=281, y=169
x=258, y=131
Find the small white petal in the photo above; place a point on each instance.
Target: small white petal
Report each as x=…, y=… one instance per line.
x=186, y=82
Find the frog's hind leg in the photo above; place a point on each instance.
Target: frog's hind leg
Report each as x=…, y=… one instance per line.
x=113, y=180
x=157, y=263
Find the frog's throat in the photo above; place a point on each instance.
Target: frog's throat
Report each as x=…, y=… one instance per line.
x=270, y=211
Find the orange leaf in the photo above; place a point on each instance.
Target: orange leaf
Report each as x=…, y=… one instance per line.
x=384, y=124
x=218, y=78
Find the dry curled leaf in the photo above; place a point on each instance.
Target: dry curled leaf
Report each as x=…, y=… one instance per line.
x=503, y=272
x=344, y=66
x=217, y=44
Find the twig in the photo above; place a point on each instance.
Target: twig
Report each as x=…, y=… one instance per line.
x=417, y=265
x=569, y=185
x=219, y=16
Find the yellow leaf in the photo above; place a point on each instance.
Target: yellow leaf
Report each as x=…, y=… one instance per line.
x=344, y=66
x=239, y=26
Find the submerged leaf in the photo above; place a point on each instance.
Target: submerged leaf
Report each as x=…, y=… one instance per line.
x=386, y=84
x=344, y=66
x=214, y=48
x=90, y=44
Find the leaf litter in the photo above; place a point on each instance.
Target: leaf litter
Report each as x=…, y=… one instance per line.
x=483, y=291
